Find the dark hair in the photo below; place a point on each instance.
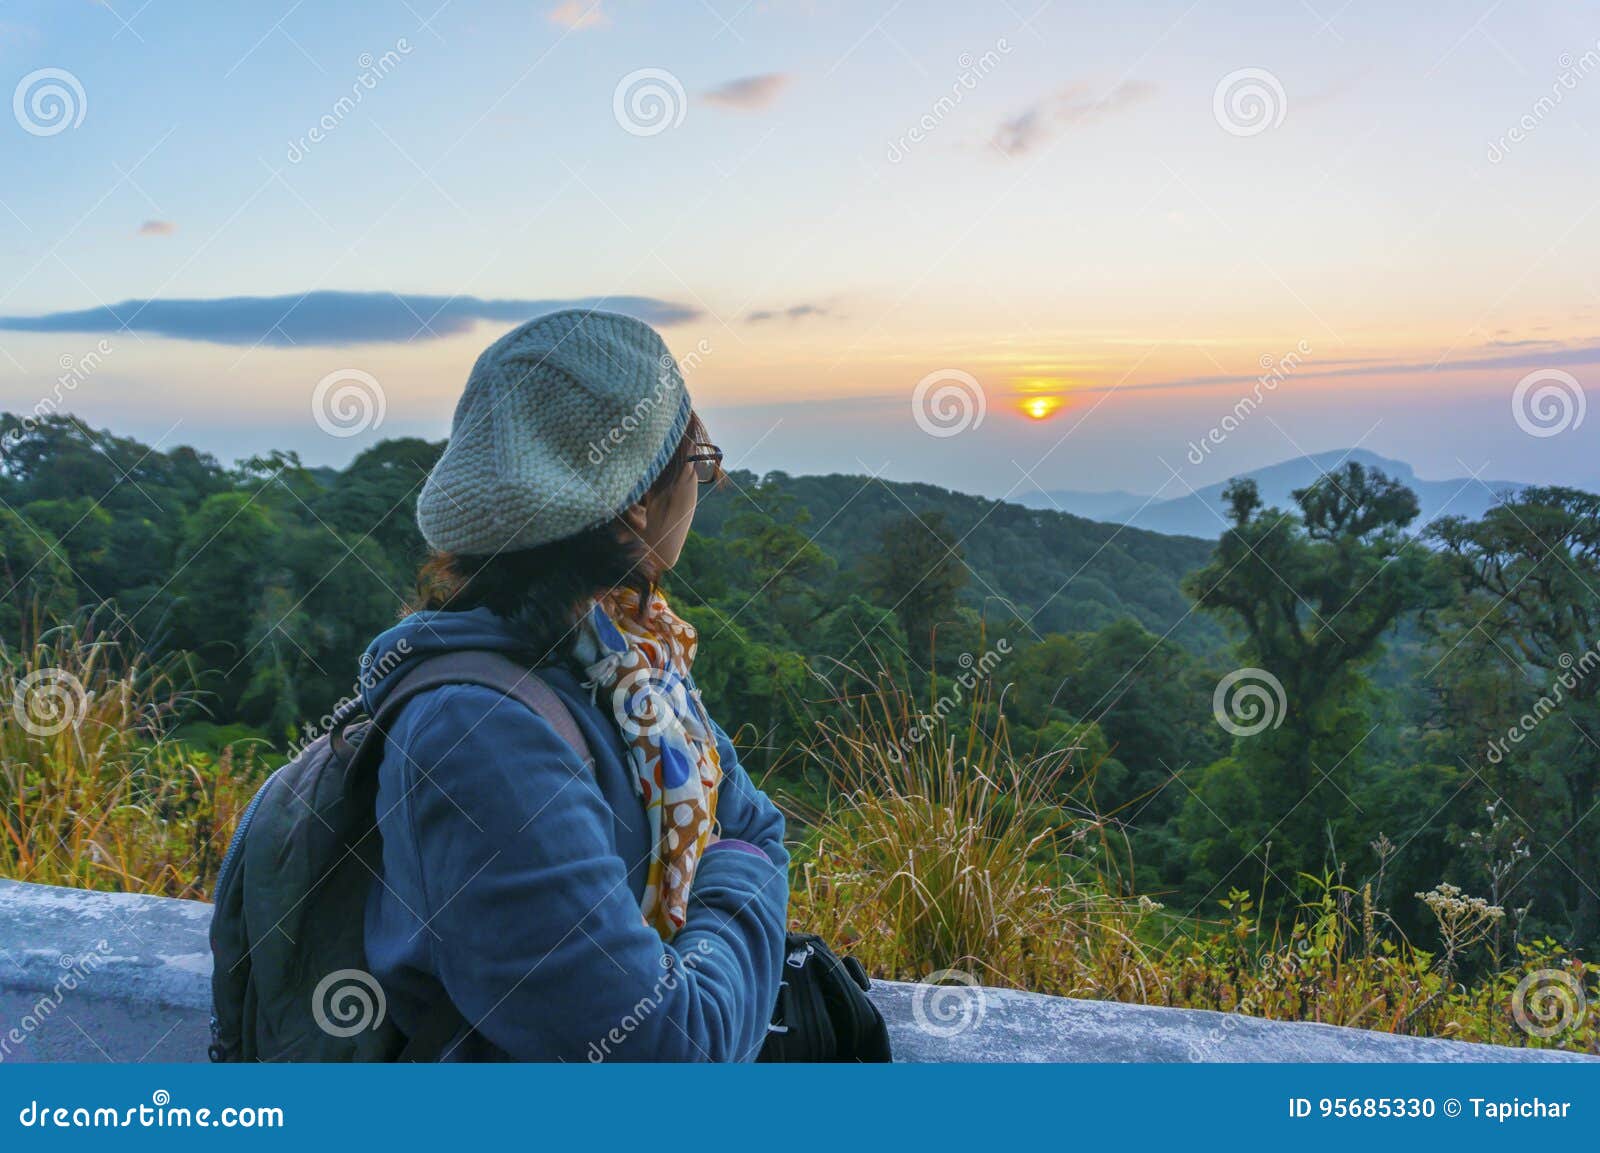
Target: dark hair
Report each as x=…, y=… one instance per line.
x=544, y=588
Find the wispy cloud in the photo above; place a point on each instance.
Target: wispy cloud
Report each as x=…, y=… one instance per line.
x=157, y=228
x=1072, y=107
x=748, y=93
x=1022, y=132
x=328, y=318
x=794, y=312
x=578, y=14
x=1513, y=363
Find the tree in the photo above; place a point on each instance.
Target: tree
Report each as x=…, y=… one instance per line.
x=917, y=573
x=120, y=504
x=1312, y=595
x=33, y=576
x=376, y=494
x=784, y=566
x=85, y=533
x=753, y=689
x=858, y=636
x=1533, y=566
x=227, y=561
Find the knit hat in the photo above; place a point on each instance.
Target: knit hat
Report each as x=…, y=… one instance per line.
x=566, y=421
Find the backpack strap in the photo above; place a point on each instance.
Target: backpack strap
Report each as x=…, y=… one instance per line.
x=491, y=671
x=442, y=1022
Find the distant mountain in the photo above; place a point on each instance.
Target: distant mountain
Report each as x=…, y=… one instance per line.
x=1204, y=513
x=1112, y=506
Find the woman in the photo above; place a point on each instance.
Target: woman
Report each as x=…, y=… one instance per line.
x=631, y=910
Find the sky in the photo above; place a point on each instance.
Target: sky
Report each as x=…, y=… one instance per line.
x=999, y=247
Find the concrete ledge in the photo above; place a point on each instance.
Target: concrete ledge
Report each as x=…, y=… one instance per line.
x=118, y=977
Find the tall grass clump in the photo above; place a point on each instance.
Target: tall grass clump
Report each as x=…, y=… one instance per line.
x=941, y=850
x=93, y=793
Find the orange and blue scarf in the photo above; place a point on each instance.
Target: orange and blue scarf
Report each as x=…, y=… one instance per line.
x=641, y=661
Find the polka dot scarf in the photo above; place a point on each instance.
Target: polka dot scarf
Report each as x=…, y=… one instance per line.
x=641, y=662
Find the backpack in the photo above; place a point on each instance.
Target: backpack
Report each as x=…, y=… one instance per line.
x=289, y=978
x=823, y=1011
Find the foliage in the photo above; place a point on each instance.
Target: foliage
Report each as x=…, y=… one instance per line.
x=92, y=793
x=1311, y=594
x=1061, y=573
x=918, y=572
x=950, y=857
x=1440, y=691
x=1531, y=571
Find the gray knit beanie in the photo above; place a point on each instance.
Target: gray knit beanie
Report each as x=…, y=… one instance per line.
x=565, y=422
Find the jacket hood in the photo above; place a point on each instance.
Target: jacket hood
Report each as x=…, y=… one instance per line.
x=425, y=634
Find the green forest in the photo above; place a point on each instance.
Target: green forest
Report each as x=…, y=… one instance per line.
x=1429, y=713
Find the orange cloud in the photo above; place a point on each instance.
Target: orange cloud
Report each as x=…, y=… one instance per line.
x=577, y=14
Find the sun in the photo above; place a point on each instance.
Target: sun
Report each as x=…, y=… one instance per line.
x=1039, y=407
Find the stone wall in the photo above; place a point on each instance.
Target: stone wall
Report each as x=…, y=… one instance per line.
x=118, y=977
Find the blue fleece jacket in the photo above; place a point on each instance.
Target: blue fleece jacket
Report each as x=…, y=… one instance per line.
x=511, y=878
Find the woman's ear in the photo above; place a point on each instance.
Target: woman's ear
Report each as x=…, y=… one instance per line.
x=635, y=518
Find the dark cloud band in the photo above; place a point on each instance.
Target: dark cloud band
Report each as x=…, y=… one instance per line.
x=328, y=318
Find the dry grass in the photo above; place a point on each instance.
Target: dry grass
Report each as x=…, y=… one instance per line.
x=949, y=857
x=92, y=794
x=946, y=852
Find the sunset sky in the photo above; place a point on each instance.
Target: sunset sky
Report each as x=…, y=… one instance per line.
x=1068, y=204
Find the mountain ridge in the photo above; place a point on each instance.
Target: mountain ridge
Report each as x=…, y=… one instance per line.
x=1203, y=512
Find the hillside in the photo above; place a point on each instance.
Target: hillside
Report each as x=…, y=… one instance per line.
x=1063, y=573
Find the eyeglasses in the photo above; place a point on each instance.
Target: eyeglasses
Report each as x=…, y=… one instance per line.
x=707, y=463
